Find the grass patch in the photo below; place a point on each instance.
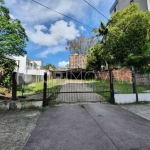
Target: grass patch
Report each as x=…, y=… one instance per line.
x=122, y=87
x=52, y=87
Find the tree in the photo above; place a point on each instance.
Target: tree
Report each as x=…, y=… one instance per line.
x=49, y=66
x=12, y=39
x=128, y=39
x=97, y=56
x=102, y=31
x=80, y=45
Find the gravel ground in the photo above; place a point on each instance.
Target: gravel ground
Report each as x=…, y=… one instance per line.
x=15, y=128
x=78, y=86
x=142, y=110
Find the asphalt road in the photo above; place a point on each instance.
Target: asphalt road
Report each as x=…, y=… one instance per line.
x=89, y=127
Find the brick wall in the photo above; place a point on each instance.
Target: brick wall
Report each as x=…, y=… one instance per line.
x=123, y=74
x=76, y=61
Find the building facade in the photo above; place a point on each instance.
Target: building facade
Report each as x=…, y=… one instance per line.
x=120, y=4
x=28, y=70
x=77, y=61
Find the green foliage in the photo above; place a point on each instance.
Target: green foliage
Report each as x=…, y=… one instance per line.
x=49, y=66
x=12, y=35
x=99, y=55
x=12, y=42
x=94, y=57
x=8, y=65
x=128, y=39
x=102, y=31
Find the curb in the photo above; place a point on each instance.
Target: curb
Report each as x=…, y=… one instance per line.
x=6, y=105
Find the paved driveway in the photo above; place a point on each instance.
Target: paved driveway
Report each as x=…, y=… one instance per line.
x=89, y=127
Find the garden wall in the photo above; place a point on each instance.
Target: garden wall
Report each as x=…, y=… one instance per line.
x=131, y=98
x=122, y=74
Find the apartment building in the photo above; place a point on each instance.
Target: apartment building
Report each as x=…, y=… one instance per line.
x=120, y=4
x=77, y=61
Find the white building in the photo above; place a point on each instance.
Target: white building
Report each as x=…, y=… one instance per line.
x=28, y=70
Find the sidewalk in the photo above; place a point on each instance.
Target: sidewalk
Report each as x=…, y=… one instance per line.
x=142, y=110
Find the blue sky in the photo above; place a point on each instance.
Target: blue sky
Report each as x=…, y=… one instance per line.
x=49, y=32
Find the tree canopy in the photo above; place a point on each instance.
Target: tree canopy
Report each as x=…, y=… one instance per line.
x=12, y=40
x=49, y=66
x=12, y=35
x=80, y=45
x=126, y=38
x=129, y=36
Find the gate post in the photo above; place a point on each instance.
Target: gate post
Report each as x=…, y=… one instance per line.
x=134, y=84
x=45, y=89
x=14, y=86
x=111, y=85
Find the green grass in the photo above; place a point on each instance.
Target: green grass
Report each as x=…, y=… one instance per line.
x=123, y=87
x=52, y=86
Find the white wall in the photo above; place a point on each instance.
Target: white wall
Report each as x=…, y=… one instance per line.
x=35, y=72
x=22, y=63
x=39, y=63
x=26, y=65
x=131, y=98
x=148, y=4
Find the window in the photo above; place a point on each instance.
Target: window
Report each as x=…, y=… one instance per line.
x=115, y=9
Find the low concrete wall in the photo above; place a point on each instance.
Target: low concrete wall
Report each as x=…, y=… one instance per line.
x=20, y=105
x=131, y=98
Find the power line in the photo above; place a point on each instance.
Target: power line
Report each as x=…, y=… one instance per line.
x=96, y=9
x=61, y=14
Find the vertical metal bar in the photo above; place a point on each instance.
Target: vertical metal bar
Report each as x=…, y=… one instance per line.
x=111, y=85
x=134, y=85
x=45, y=89
x=14, y=86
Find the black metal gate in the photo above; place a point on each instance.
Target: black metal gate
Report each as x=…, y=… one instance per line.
x=76, y=86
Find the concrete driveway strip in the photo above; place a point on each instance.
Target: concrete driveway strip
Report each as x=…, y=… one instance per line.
x=89, y=127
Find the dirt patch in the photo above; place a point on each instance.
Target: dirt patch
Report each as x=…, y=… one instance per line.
x=5, y=93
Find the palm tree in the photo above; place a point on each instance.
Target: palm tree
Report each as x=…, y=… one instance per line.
x=102, y=31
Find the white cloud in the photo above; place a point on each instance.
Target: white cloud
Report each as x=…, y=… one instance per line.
x=51, y=50
x=63, y=64
x=34, y=13
x=82, y=28
x=58, y=33
x=48, y=28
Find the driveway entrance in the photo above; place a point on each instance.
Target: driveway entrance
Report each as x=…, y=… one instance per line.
x=89, y=127
x=73, y=91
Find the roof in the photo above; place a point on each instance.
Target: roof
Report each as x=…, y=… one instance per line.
x=113, y=6
x=10, y=57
